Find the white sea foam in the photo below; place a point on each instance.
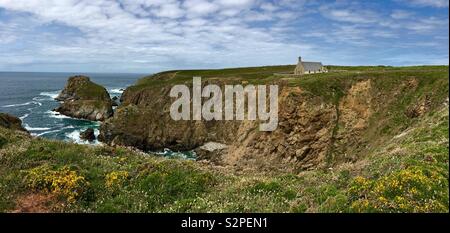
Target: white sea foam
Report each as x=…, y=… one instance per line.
x=23, y=104
x=28, y=127
x=47, y=132
x=37, y=99
x=115, y=91
x=17, y=105
x=56, y=115
x=24, y=116
x=75, y=137
x=53, y=131
x=51, y=94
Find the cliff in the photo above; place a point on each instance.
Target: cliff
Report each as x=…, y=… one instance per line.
x=324, y=119
x=11, y=122
x=81, y=98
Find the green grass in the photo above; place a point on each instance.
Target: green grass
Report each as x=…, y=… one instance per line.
x=91, y=91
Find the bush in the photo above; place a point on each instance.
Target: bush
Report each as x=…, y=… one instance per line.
x=116, y=179
x=62, y=182
x=411, y=190
x=335, y=204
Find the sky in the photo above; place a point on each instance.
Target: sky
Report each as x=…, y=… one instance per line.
x=146, y=36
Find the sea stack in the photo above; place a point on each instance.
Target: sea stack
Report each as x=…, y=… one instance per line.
x=81, y=98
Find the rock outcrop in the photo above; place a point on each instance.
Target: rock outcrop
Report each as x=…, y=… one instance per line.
x=88, y=134
x=115, y=101
x=212, y=152
x=81, y=98
x=11, y=122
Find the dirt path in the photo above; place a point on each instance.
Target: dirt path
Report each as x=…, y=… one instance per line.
x=34, y=203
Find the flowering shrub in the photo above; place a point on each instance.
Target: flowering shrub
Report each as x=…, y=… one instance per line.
x=410, y=190
x=116, y=179
x=63, y=182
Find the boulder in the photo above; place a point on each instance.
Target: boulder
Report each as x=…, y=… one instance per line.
x=88, y=134
x=211, y=151
x=115, y=101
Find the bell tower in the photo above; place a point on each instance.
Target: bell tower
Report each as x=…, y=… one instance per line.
x=299, y=69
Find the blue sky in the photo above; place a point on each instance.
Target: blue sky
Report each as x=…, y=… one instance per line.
x=146, y=36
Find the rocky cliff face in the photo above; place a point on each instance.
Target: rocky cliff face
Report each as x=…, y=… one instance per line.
x=11, y=122
x=81, y=98
x=323, y=120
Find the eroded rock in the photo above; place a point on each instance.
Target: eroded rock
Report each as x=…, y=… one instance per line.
x=88, y=134
x=211, y=151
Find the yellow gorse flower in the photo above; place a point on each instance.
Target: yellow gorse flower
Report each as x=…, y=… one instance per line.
x=63, y=182
x=115, y=179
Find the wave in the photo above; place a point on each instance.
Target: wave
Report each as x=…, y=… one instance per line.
x=56, y=115
x=24, y=116
x=75, y=137
x=28, y=127
x=116, y=91
x=51, y=94
x=47, y=132
x=22, y=104
x=37, y=98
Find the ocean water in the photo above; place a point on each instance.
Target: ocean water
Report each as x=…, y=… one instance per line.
x=30, y=96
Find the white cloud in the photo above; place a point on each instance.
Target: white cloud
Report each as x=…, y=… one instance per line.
x=164, y=34
x=401, y=14
x=431, y=3
x=169, y=34
x=200, y=7
x=169, y=10
x=236, y=3
x=267, y=6
x=349, y=14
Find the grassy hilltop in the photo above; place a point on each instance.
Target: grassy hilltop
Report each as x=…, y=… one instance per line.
x=403, y=167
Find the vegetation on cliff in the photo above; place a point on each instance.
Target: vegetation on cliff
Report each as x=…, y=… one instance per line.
x=81, y=98
x=389, y=154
